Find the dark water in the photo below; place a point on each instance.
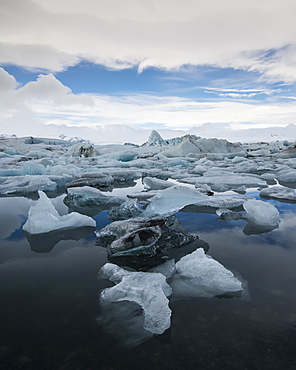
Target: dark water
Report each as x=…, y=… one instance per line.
x=49, y=302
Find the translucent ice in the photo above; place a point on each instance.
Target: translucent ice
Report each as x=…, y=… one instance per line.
x=28, y=184
x=224, y=182
x=87, y=196
x=171, y=200
x=127, y=209
x=43, y=217
x=205, y=275
x=149, y=290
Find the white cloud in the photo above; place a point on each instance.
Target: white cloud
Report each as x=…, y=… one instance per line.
x=46, y=107
x=54, y=34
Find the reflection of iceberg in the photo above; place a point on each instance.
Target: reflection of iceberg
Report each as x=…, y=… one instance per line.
x=42, y=243
x=195, y=275
x=261, y=217
x=43, y=217
x=124, y=320
x=149, y=290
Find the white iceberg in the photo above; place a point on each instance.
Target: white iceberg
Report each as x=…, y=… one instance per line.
x=261, y=213
x=152, y=183
x=279, y=193
x=199, y=275
x=223, y=182
x=87, y=196
x=27, y=184
x=149, y=290
x=43, y=218
x=171, y=200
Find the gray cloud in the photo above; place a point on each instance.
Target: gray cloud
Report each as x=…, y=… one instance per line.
x=51, y=34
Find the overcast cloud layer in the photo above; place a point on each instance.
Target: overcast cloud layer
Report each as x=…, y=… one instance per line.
x=50, y=36
x=55, y=34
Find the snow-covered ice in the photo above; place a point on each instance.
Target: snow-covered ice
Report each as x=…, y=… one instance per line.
x=43, y=218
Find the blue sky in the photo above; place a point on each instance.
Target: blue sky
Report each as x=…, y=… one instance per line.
x=121, y=68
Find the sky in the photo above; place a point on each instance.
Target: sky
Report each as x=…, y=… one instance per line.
x=112, y=71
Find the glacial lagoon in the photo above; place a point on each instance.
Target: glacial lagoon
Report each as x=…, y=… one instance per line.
x=52, y=316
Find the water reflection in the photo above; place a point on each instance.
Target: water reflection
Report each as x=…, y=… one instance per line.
x=44, y=243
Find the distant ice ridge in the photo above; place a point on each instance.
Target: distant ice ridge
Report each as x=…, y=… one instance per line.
x=43, y=218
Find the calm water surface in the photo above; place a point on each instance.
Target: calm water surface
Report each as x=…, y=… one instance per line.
x=49, y=302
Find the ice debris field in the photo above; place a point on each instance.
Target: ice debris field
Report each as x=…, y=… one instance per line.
x=145, y=239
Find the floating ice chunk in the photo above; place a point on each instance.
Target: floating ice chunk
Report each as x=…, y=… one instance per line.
x=167, y=268
x=227, y=182
x=33, y=168
x=82, y=150
x=43, y=217
x=206, y=275
x=287, y=176
x=216, y=202
x=171, y=200
x=124, y=156
x=228, y=215
x=127, y=209
x=261, y=213
x=279, y=193
x=149, y=290
x=141, y=242
x=28, y=184
x=87, y=196
x=142, y=196
x=152, y=183
x=199, y=169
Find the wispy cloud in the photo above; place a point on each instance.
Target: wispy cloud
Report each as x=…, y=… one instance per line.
x=47, y=103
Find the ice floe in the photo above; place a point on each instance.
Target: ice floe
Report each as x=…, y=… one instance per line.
x=172, y=199
x=149, y=290
x=43, y=218
x=199, y=275
x=279, y=193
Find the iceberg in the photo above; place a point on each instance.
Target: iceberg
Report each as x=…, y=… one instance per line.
x=199, y=275
x=141, y=242
x=261, y=213
x=43, y=218
x=147, y=289
x=279, y=193
x=213, y=203
x=225, y=182
x=28, y=184
x=152, y=183
x=127, y=209
x=87, y=196
x=172, y=199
